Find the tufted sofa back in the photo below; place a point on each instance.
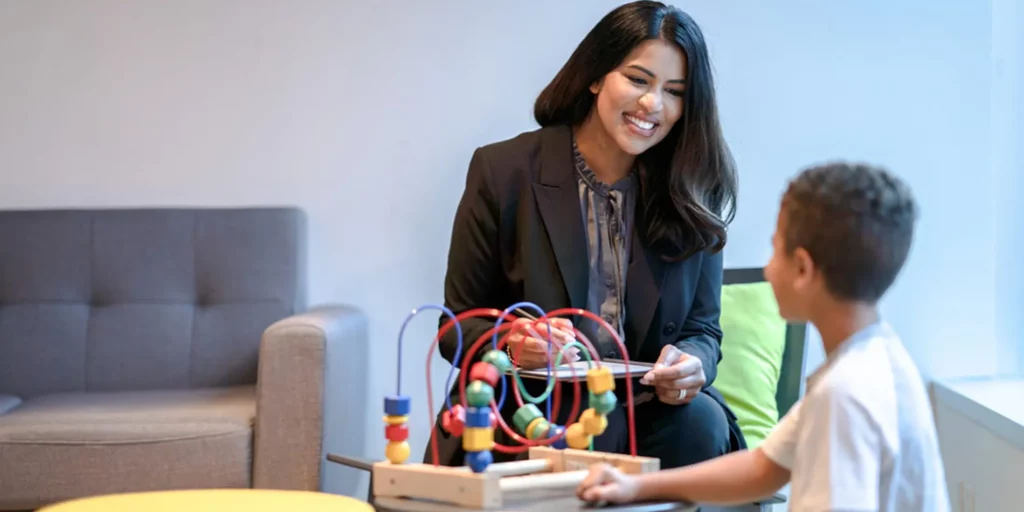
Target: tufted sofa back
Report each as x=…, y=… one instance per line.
x=120, y=299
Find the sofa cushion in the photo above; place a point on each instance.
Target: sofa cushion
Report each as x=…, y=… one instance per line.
x=63, y=446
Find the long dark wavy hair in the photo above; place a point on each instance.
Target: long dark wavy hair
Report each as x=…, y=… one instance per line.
x=689, y=185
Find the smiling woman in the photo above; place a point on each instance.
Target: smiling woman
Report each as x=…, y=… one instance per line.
x=618, y=205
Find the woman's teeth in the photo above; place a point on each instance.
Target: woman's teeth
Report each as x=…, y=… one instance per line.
x=640, y=123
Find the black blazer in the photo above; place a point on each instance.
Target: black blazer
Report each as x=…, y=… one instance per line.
x=518, y=235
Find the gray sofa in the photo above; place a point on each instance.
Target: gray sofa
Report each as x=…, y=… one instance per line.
x=146, y=349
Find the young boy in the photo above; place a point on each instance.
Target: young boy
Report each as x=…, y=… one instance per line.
x=862, y=438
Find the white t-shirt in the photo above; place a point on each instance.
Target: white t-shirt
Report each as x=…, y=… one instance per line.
x=863, y=437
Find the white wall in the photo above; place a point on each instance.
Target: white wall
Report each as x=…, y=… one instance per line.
x=320, y=103
x=1007, y=137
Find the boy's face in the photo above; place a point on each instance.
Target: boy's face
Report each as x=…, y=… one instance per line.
x=790, y=274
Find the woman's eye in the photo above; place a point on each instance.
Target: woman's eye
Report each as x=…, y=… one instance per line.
x=677, y=93
x=636, y=80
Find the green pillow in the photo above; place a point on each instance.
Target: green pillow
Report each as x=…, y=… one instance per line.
x=752, y=348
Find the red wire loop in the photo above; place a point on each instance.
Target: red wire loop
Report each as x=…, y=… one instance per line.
x=525, y=443
x=507, y=324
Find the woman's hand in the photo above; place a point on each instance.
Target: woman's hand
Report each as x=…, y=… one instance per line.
x=528, y=342
x=605, y=484
x=677, y=377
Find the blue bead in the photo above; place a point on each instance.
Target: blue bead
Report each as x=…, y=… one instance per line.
x=478, y=416
x=397, y=405
x=478, y=461
x=554, y=431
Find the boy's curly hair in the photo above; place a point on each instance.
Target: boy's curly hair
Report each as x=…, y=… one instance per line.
x=856, y=221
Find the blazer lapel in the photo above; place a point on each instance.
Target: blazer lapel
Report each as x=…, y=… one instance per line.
x=644, y=282
x=558, y=199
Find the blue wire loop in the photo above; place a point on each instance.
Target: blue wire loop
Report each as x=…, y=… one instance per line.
x=494, y=344
x=458, y=347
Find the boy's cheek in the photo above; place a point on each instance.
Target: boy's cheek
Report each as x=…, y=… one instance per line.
x=788, y=309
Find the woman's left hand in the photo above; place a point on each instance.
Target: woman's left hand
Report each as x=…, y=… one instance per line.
x=677, y=377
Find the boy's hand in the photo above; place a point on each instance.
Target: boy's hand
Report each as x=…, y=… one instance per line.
x=606, y=484
x=677, y=377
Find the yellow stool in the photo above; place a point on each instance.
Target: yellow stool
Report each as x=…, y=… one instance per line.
x=210, y=500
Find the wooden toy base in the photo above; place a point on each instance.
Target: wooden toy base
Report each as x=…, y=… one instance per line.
x=547, y=468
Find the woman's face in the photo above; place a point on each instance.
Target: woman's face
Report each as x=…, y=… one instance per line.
x=640, y=101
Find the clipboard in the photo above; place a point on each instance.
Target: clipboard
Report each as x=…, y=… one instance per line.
x=563, y=372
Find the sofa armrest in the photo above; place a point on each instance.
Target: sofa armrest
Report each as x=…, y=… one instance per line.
x=308, y=364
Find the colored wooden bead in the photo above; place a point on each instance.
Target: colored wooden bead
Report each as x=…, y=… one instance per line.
x=603, y=403
x=593, y=423
x=479, y=394
x=600, y=380
x=525, y=415
x=396, y=433
x=397, y=405
x=478, y=439
x=453, y=420
x=479, y=417
x=576, y=437
x=537, y=429
x=485, y=372
x=499, y=359
x=478, y=461
x=554, y=431
x=397, y=453
x=395, y=420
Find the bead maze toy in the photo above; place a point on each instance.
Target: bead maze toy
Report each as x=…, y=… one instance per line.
x=558, y=455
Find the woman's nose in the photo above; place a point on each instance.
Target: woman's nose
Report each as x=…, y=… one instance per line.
x=651, y=101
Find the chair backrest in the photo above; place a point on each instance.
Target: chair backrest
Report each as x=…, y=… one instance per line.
x=791, y=373
x=121, y=299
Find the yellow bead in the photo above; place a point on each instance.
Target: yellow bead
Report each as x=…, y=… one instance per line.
x=478, y=439
x=395, y=420
x=537, y=429
x=576, y=437
x=593, y=423
x=600, y=380
x=397, y=453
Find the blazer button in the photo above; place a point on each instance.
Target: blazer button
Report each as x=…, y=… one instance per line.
x=669, y=329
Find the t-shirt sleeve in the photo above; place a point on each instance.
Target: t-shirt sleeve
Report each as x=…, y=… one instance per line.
x=840, y=450
x=780, y=444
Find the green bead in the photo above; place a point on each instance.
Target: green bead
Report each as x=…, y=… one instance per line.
x=524, y=415
x=499, y=360
x=540, y=429
x=603, y=403
x=479, y=394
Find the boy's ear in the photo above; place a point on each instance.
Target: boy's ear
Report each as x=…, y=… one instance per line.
x=804, y=268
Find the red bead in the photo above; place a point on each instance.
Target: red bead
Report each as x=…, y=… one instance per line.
x=396, y=433
x=485, y=372
x=454, y=420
